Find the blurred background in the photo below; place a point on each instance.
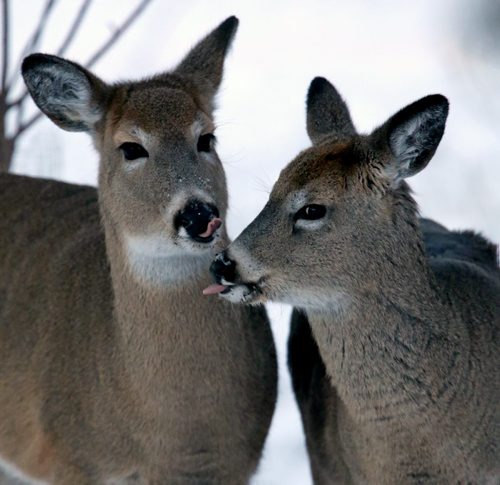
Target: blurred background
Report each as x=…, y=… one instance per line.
x=380, y=54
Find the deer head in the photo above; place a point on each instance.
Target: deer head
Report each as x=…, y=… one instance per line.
x=338, y=211
x=162, y=188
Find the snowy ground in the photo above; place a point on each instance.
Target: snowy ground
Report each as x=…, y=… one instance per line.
x=381, y=55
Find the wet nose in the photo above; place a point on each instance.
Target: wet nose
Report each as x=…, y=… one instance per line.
x=200, y=220
x=223, y=269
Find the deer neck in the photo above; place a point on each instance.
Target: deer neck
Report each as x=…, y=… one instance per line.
x=159, y=320
x=390, y=341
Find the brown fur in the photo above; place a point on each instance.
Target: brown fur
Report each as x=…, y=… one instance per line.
x=395, y=354
x=106, y=374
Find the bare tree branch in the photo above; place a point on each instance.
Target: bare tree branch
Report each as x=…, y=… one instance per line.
x=30, y=46
x=18, y=101
x=34, y=40
x=27, y=124
x=5, y=45
x=74, y=27
x=19, y=115
x=105, y=47
x=22, y=127
x=118, y=33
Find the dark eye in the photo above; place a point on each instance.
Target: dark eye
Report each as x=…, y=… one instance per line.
x=311, y=212
x=132, y=151
x=205, y=142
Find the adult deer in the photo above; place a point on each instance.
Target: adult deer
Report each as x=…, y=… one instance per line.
x=113, y=367
x=405, y=387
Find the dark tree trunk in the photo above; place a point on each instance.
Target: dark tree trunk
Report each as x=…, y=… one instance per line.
x=6, y=144
x=6, y=151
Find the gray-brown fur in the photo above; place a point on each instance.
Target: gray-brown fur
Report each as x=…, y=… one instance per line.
x=113, y=371
x=405, y=314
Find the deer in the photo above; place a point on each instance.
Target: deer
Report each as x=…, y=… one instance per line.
x=113, y=366
x=394, y=345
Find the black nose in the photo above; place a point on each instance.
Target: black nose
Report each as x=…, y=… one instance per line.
x=223, y=268
x=200, y=220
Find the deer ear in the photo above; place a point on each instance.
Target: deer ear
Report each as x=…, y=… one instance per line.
x=327, y=113
x=68, y=94
x=204, y=64
x=413, y=135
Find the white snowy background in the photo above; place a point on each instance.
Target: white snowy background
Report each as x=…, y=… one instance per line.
x=380, y=54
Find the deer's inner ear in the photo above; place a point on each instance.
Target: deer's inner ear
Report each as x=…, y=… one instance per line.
x=413, y=135
x=66, y=92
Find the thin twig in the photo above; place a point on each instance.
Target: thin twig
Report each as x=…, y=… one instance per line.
x=64, y=45
x=23, y=127
x=30, y=46
x=74, y=27
x=118, y=33
x=34, y=40
x=19, y=115
x=109, y=43
x=18, y=101
x=100, y=52
x=5, y=45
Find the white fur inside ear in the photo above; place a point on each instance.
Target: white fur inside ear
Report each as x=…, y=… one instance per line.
x=64, y=93
x=404, y=140
x=414, y=140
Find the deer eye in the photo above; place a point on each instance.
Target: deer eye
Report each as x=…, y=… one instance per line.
x=133, y=151
x=310, y=212
x=205, y=142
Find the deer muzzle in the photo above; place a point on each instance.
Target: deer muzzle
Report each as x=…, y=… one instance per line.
x=229, y=283
x=200, y=220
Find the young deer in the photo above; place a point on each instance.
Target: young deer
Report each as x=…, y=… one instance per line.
x=405, y=387
x=113, y=367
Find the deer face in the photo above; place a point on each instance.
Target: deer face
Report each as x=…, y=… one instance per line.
x=161, y=184
x=160, y=177
x=334, y=209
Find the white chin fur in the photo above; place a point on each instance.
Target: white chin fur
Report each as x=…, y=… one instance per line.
x=331, y=302
x=188, y=245
x=238, y=294
x=157, y=260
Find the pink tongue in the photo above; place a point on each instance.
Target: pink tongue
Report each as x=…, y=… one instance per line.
x=214, y=289
x=213, y=225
